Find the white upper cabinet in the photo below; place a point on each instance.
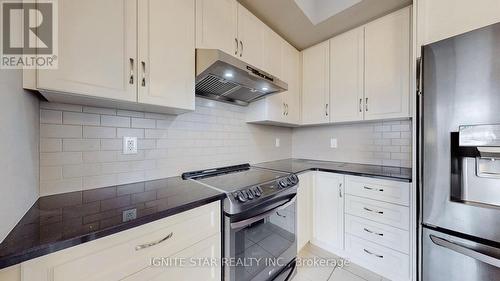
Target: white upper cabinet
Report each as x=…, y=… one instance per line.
x=315, y=84
x=441, y=19
x=126, y=54
x=346, y=76
x=251, y=33
x=283, y=108
x=165, y=65
x=97, y=50
x=273, y=57
x=217, y=25
x=328, y=210
x=387, y=66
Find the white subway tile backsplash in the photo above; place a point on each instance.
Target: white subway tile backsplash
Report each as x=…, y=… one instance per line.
x=60, y=131
x=143, y=123
x=51, y=187
x=60, y=158
x=81, y=145
x=130, y=113
x=115, y=121
x=125, y=132
x=91, y=132
x=76, y=171
x=76, y=118
x=50, y=117
x=50, y=145
x=49, y=173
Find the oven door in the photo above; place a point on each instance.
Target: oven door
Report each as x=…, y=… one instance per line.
x=263, y=246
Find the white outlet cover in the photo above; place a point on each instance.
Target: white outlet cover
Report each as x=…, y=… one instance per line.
x=277, y=142
x=129, y=145
x=333, y=143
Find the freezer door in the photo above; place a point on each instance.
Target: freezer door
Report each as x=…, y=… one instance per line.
x=461, y=87
x=448, y=257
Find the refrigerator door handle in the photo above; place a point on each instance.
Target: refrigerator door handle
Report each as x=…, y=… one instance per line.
x=465, y=251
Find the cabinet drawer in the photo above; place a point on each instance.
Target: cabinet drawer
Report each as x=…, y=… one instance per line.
x=381, y=234
x=384, y=261
x=116, y=256
x=386, y=213
x=383, y=190
x=195, y=267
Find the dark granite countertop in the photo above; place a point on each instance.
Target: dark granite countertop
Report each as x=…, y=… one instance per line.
x=301, y=165
x=64, y=220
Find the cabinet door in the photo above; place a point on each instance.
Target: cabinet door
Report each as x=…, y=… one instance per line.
x=346, y=76
x=441, y=19
x=291, y=75
x=272, y=60
x=315, y=84
x=387, y=66
x=251, y=32
x=304, y=210
x=328, y=211
x=167, y=53
x=216, y=25
x=97, y=50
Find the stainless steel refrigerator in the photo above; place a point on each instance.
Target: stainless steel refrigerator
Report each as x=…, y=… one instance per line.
x=459, y=145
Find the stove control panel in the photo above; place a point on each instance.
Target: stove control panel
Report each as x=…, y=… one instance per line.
x=255, y=192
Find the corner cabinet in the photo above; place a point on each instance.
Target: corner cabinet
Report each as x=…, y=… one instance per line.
x=316, y=84
x=127, y=55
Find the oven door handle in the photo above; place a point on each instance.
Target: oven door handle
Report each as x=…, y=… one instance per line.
x=251, y=220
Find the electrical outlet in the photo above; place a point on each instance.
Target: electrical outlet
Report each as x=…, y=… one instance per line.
x=129, y=215
x=129, y=145
x=333, y=143
x=277, y=142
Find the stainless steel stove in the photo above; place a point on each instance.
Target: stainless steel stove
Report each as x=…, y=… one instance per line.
x=259, y=220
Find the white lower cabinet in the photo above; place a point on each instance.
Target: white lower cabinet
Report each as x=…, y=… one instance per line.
x=328, y=211
x=121, y=257
x=365, y=220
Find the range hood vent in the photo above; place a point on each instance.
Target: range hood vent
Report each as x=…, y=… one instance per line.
x=222, y=77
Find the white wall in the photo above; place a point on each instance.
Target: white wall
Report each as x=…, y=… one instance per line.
x=380, y=143
x=19, y=155
x=81, y=147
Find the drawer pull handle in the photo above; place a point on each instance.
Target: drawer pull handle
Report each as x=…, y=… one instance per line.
x=373, y=211
x=373, y=254
x=373, y=232
x=147, y=245
x=375, y=189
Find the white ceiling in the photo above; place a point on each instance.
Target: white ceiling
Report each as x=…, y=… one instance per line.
x=320, y=10
x=295, y=20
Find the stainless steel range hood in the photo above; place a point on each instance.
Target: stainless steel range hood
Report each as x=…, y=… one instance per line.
x=225, y=78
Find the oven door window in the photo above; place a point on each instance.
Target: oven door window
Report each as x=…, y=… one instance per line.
x=263, y=248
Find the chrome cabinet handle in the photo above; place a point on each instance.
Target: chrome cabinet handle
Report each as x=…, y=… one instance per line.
x=374, y=189
x=366, y=104
x=340, y=190
x=236, y=46
x=151, y=244
x=131, y=79
x=326, y=109
x=360, y=105
x=241, y=48
x=373, y=232
x=143, y=83
x=373, y=254
x=286, y=109
x=373, y=211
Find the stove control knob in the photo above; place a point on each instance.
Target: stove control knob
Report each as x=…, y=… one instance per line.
x=251, y=194
x=284, y=183
x=260, y=190
x=256, y=191
x=242, y=197
x=294, y=179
